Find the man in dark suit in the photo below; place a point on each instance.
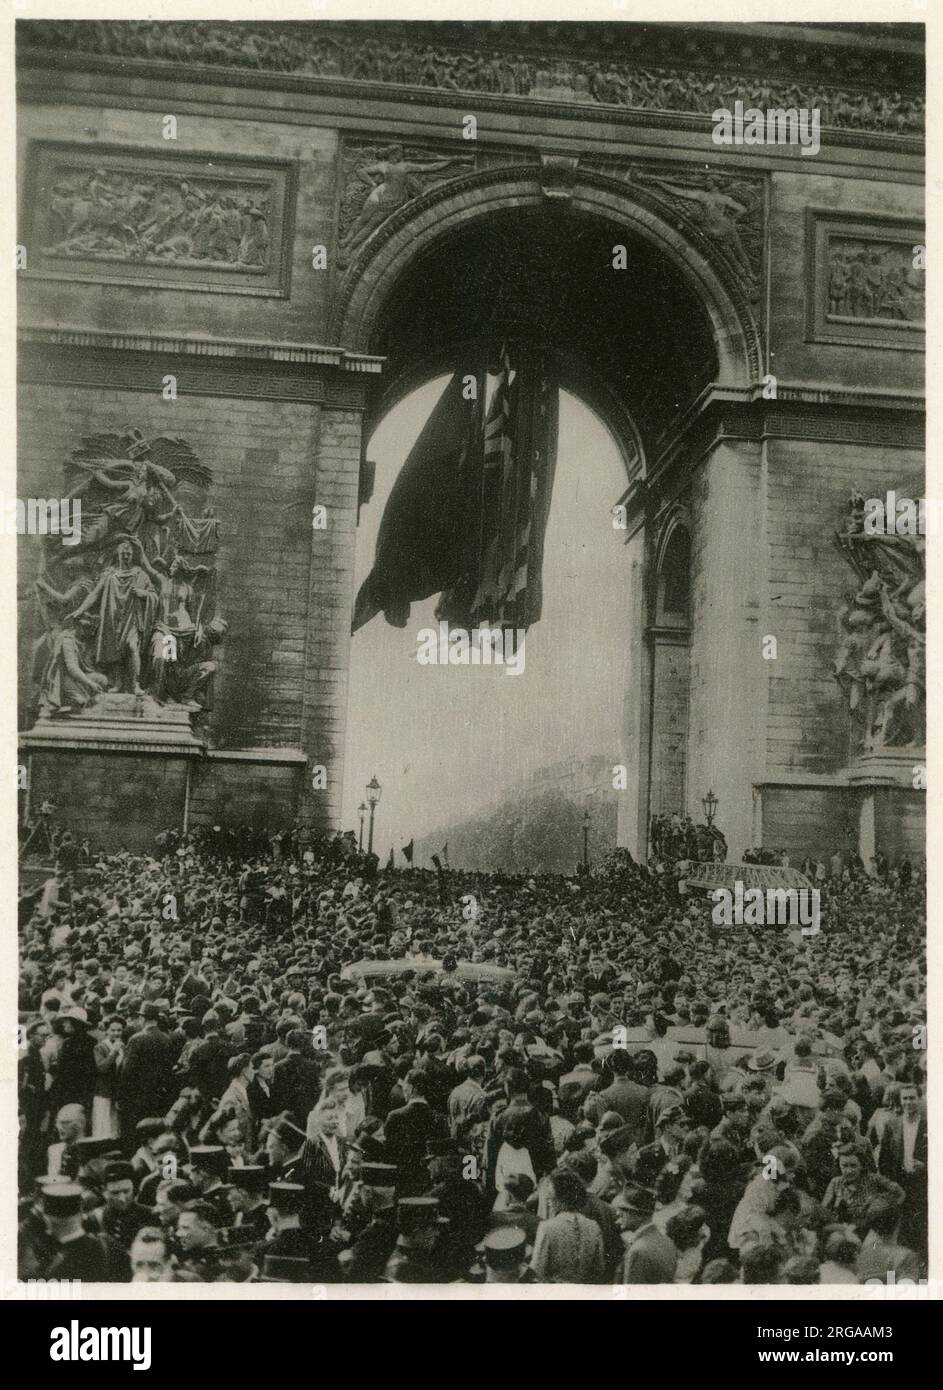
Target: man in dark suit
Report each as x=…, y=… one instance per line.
x=528, y=1122
x=296, y=1083
x=146, y=1081
x=262, y=1100
x=409, y=1131
x=624, y=1095
x=209, y=1061
x=576, y=1085
x=902, y=1157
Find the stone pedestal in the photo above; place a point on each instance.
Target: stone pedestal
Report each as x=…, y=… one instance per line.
x=891, y=814
x=118, y=721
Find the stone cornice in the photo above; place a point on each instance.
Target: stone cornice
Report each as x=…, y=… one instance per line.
x=256, y=350
x=204, y=367
x=819, y=415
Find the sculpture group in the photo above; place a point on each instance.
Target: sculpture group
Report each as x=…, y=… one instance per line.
x=131, y=608
x=881, y=661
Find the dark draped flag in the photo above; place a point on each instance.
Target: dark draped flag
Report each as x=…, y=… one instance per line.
x=467, y=515
x=421, y=544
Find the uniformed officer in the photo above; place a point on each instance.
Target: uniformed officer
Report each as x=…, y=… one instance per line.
x=247, y=1193
x=417, y=1256
x=505, y=1256
x=74, y=1254
x=373, y=1246
x=207, y=1166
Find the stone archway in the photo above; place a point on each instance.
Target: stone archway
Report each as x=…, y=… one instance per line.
x=402, y=269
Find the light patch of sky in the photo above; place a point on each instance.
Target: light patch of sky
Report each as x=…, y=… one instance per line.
x=445, y=741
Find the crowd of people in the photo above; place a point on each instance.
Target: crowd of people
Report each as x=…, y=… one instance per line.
x=264, y=1059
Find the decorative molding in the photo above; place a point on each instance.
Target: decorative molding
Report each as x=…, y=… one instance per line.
x=613, y=69
x=861, y=285
x=289, y=756
x=253, y=349
x=127, y=216
x=107, y=368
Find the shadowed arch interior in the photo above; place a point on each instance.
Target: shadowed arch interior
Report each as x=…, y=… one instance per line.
x=546, y=274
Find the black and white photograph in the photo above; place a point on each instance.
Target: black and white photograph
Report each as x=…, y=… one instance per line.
x=471, y=530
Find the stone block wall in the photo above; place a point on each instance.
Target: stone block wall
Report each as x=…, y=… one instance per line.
x=808, y=485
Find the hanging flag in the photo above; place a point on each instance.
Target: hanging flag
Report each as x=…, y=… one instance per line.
x=407, y=852
x=497, y=464
x=538, y=411
x=422, y=544
x=445, y=851
x=519, y=462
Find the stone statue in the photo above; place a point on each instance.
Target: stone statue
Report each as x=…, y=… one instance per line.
x=125, y=604
x=175, y=632
x=880, y=665
x=62, y=670
x=130, y=609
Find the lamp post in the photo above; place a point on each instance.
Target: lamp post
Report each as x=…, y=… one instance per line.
x=373, y=796
x=361, y=811
x=586, y=841
x=710, y=807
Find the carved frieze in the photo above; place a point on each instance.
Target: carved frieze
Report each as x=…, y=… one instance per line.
x=127, y=215
x=129, y=605
x=866, y=281
x=380, y=179
x=725, y=213
x=659, y=75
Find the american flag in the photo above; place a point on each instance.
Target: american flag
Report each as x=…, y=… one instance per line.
x=519, y=459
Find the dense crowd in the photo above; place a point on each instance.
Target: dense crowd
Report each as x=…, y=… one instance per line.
x=548, y=1079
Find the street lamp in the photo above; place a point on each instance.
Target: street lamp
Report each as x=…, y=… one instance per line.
x=361, y=811
x=373, y=796
x=586, y=840
x=710, y=807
